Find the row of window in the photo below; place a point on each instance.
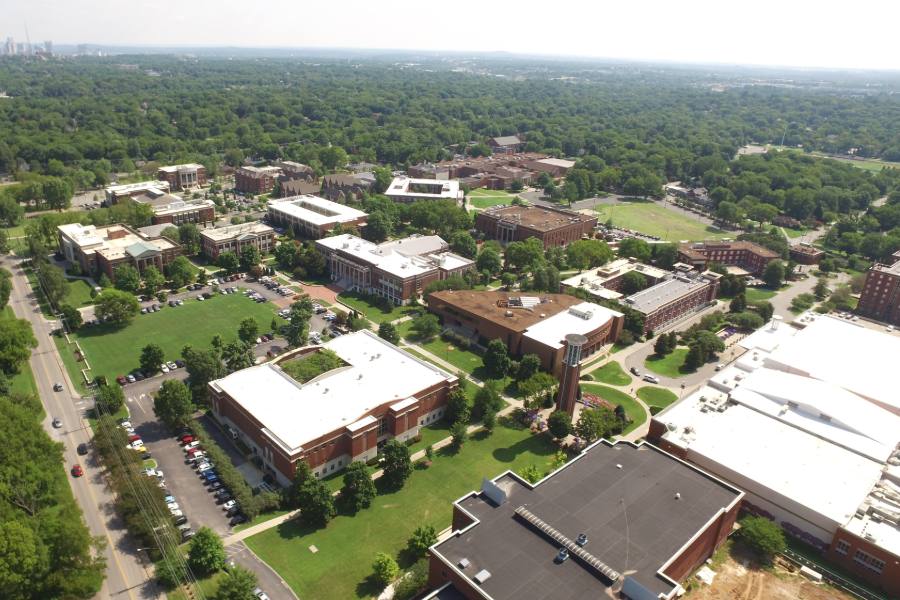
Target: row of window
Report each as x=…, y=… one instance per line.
x=860, y=556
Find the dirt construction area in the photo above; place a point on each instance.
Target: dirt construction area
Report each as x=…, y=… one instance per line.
x=739, y=579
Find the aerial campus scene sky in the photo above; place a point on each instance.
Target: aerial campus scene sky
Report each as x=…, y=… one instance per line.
x=806, y=33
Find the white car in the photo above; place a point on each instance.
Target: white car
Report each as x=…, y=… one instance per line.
x=228, y=505
x=176, y=512
x=204, y=467
x=136, y=445
x=125, y=425
x=164, y=368
x=191, y=445
x=650, y=379
x=173, y=506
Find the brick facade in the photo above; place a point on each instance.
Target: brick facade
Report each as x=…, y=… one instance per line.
x=880, y=296
x=554, y=227
x=256, y=180
x=182, y=177
x=753, y=258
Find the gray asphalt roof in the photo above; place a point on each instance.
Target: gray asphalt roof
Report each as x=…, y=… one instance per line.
x=631, y=516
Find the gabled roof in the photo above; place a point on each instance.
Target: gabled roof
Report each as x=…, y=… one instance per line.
x=506, y=140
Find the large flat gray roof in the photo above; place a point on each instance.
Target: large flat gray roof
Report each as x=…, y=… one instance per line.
x=648, y=300
x=622, y=496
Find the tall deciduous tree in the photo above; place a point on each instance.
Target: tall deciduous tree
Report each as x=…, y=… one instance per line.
x=397, y=465
x=116, y=306
x=359, y=489
x=152, y=357
x=206, y=554
x=172, y=404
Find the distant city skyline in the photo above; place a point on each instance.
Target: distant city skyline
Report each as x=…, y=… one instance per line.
x=824, y=34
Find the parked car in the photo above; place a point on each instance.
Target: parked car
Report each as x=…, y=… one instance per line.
x=173, y=506
x=77, y=471
x=260, y=594
x=172, y=366
x=176, y=512
x=229, y=504
x=121, y=380
x=223, y=499
x=187, y=534
x=215, y=485
x=191, y=444
x=169, y=498
x=57, y=423
x=650, y=379
x=180, y=520
x=82, y=449
x=634, y=371
x=186, y=439
x=237, y=519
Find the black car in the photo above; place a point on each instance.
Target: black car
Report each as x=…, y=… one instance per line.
x=179, y=363
x=181, y=520
x=207, y=295
x=146, y=456
x=237, y=519
x=82, y=449
x=634, y=371
x=224, y=499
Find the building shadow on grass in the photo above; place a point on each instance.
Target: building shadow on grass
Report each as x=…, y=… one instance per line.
x=539, y=445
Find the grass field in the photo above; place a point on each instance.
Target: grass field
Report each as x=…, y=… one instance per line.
x=116, y=351
x=79, y=292
x=795, y=233
x=612, y=374
x=23, y=381
x=375, y=313
x=656, y=396
x=669, y=365
x=346, y=547
x=635, y=411
x=755, y=294
x=654, y=219
x=481, y=198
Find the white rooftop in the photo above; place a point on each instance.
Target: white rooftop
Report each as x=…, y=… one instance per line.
x=822, y=409
x=581, y=318
x=293, y=414
x=397, y=257
x=445, y=188
x=593, y=280
x=772, y=459
x=839, y=352
x=241, y=229
x=125, y=188
x=112, y=241
x=315, y=210
x=184, y=167
x=558, y=162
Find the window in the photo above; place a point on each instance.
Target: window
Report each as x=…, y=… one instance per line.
x=382, y=426
x=869, y=561
x=842, y=547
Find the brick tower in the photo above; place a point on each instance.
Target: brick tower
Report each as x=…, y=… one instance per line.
x=568, y=381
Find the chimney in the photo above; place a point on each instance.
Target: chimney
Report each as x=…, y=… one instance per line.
x=571, y=371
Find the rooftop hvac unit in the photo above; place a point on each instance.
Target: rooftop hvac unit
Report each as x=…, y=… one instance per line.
x=482, y=576
x=463, y=563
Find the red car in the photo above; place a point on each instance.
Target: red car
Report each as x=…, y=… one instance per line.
x=77, y=471
x=187, y=439
x=121, y=380
x=194, y=451
x=133, y=438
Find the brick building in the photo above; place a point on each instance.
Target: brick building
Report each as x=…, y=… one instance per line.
x=100, y=250
x=634, y=520
x=880, y=296
x=553, y=226
x=748, y=256
x=506, y=144
x=406, y=189
x=183, y=177
x=174, y=210
x=313, y=217
x=149, y=189
x=528, y=324
x=814, y=445
x=674, y=297
x=256, y=180
x=339, y=416
x=291, y=170
x=605, y=282
x=806, y=254
x=345, y=187
x=234, y=238
x=397, y=270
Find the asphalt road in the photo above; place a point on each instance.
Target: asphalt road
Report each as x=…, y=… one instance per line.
x=127, y=575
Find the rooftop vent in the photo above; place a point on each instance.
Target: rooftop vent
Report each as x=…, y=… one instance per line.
x=562, y=556
x=678, y=495
x=618, y=466
x=582, y=539
x=463, y=563
x=482, y=576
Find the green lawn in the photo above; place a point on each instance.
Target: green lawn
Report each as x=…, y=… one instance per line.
x=79, y=293
x=655, y=219
x=23, y=381
x=207, y=585
x=795, y=233
x=669, y=365
x=346, y=548
x=611, y=373
x=481, y=198
x=656, y=396
x=116, y=351
x=464, y=360
x=757, y=294
x=635, y=411
x=375, y=313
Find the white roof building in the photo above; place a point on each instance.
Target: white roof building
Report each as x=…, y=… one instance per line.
x=595, y=281
x=809, y=430
x=312, y=212
x=581, y=318
x=406, y=189
x=407, y=257
x=293, y=414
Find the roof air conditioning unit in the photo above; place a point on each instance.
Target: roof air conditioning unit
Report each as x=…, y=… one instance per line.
x=463, y=563
x=482, y=576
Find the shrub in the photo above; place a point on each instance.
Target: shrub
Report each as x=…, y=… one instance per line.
x=384, y=569
x=764, y=536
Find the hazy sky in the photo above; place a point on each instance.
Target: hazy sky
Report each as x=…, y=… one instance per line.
x=820, y=33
